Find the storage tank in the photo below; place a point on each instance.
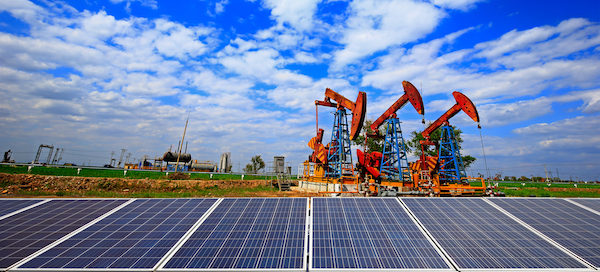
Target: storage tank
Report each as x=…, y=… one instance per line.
x=225, y=162
x=171, y=156
x=204, y=166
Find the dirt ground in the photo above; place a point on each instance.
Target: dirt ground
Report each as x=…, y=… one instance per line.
x=19, y=185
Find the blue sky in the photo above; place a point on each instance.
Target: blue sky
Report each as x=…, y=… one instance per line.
x=97, y=76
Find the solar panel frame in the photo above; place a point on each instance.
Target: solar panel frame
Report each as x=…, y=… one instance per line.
x=14, y=266
x=162, y=267
x=11, y=212
x=451, y=266
x=17, y=268
x=540, y=233
x=583, y=269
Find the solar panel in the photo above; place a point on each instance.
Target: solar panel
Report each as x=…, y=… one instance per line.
x=571, y=226
x=368, y=233
x=247, y=234
x=137, y=236
x=8, y=206
x=478, y=236
x=29, y=231
x=592, y=203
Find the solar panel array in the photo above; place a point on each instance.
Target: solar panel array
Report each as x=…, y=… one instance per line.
x=259, y=234
x=243, y=233
x=29, y=231
x=591, y=203
x=571, y=226
x=136, y=236
x=8, y=206
x=478, y=236
x=368, y=233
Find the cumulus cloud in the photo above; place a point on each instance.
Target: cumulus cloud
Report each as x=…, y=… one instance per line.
x=376, y=25
x=500, y=77
x=298, y=14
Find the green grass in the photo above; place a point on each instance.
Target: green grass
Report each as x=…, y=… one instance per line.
x=545, y=185
x=544, y=193
x=198, y=192
x=538, y=189
x=13, y=169
x=112, y=173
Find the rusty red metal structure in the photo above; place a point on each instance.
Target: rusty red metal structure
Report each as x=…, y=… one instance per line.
x=371, y=161
x=358, y=108
x=462, y=103
x=410, y=94
x=429, y=166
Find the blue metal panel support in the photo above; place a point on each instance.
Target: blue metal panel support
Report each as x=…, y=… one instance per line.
x=451, y=168
x=340, y=154
x=394, y=164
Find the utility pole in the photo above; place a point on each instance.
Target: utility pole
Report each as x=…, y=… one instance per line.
x=546, y=171
x=181, y=143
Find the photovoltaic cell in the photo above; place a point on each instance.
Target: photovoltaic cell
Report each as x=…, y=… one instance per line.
x=29, y=231
x=368, y=233
x=247, y=233
x=478, y=236
x=136, y=236
x=588, y=202
x=12, y=205
x=573, y=227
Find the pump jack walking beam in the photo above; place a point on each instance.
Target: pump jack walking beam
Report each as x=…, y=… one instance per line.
x=410, y=94
x=358, y=108
x=462, y=103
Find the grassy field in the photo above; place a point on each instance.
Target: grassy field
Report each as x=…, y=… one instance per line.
x=112, y=173
x=541, y=189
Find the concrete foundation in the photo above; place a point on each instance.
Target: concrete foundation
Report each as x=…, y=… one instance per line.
x=324, y=187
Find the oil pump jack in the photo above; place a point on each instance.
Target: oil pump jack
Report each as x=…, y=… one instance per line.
x=334, y=161
x=445, y=174
x=390, y=166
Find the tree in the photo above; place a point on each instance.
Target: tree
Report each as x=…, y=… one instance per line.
x=256, y=163
x=414, y=145
x=373, y=144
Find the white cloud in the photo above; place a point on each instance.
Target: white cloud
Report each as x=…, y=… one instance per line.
x=500, y=114
x=440, y=72
x=22, y=9
x=102, y=25
x=463, y=5
x=377, y=25
x=179, y=41
x=298, y=14
x=303, y=96
x=208, y=81
x=146, y=3
x=525, y=48
x=220, y=6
